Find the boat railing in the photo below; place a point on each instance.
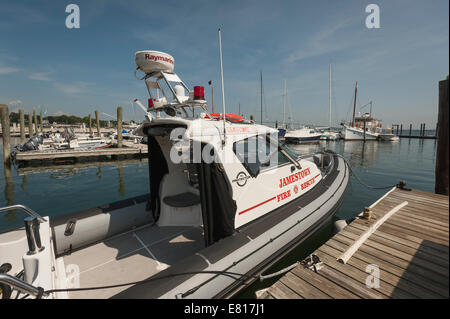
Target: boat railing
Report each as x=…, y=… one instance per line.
x=21, y=286
x=24, y=208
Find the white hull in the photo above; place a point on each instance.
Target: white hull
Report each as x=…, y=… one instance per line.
x=357, y=134
x=389, y=137
x=302, y=135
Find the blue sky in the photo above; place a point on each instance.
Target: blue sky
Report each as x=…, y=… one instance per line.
x=75, y=71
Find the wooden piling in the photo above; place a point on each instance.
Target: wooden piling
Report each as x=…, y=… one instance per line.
x=401, y=129
x=4, y=114
x=40, y=123
x=410, y=129
x=97, y=122
x=442, y=156
x=119, y=126
x=36, y=129
x=30, y=125
x=90, y=125
x=22, y=126
x=423, y=130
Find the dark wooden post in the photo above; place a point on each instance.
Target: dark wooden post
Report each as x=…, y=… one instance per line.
x=30, y=125
x=35, y=122
x=40, y=122
x=90, y=125
x=119, y=126
x=98, y=123
x=22, y=126
x=423, y=130
x=442, y=171
x=401, y=129
x=4, y=114
x=410, y=129
x=364, y=129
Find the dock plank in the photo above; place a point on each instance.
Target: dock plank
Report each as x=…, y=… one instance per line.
x=394, y=274
x=303, y=287
x=323, y=283
x=410, y=248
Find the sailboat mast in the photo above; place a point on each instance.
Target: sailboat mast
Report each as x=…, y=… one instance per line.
x=223, y=89
x=284, y=104
x=329, y=115
x=261, y=98
x=354, y=105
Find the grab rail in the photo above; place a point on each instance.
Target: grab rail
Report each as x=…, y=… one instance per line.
x=22, y=286
x=26, y=209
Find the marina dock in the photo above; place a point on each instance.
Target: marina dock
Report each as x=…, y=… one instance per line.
x=401, y=252
x=129, y=150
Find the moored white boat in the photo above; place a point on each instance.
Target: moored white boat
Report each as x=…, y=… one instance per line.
x=330, y=136
x=304, y=134
x=226, y=201
x=388, y=137
x=358, y=134
x=363, y=127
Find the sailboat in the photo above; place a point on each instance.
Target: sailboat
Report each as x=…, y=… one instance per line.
x=207, y=227
x=283, y=128
x=330, y=135
x=363, y=127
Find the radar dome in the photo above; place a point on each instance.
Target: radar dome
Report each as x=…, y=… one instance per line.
x=154, y=61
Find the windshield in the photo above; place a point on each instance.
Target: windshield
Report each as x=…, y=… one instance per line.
x=290, y=151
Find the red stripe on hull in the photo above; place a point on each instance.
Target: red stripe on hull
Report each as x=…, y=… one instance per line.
x=244, y=211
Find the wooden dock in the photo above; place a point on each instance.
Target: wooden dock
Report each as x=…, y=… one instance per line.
x=128, y=151
x=401, y=252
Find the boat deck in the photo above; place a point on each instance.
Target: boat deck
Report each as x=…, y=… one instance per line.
x=131, y=257
x=407, y=239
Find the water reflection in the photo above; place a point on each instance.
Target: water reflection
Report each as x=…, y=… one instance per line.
x=23, y=186
x=360, y=154
x=9, y=193
x=121, y=181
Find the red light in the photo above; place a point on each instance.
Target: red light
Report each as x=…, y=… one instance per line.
x=150, y=103
x=199, y=93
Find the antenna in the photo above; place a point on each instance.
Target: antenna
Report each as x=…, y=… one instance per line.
x=284, y=105
x=329, y=119
x=223, y=88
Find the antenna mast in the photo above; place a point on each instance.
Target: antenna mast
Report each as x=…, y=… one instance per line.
x=284, y=104
x=329, y=119
x=354, y=105
x=261, y=99
x=223, y=88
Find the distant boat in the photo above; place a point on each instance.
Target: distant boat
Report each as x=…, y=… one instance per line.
x=362, y=128
x=330, y=136
x=388, y=137
x=304, y=134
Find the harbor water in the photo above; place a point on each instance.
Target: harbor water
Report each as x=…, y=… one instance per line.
x=61, y=189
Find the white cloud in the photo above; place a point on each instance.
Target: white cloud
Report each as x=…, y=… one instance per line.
x=40, y=76
x=73, y=89
x=7, y=70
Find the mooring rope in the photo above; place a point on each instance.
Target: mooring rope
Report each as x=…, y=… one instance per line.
x=352, y=172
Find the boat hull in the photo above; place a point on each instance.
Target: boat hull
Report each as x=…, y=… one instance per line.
x=389, y=137
x=294, y=140
x=253, y=248
x=355, y=134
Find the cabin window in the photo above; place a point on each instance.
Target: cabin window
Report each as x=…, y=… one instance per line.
x=257, y=154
